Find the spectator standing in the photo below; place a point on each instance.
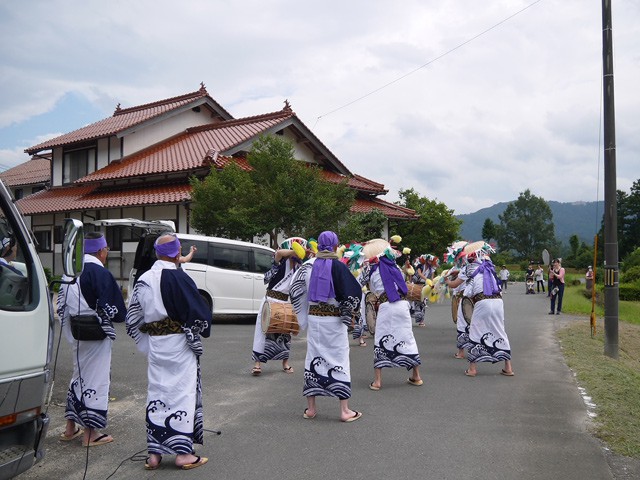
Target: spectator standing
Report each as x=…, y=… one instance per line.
x=504, y=277
x=557, y=291
x=539, y=275
x=589, y=278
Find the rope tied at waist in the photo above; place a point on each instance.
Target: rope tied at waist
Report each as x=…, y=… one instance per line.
x=277, y=295
x=384, y=298
x=165, y=326
x=324, y=310
x=481, y=296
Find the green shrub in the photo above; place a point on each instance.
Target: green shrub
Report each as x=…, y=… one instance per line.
x=631, y=260
x=630, y=291
x=630, y=275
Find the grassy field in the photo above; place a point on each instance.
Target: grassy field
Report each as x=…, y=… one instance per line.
x=614, y=385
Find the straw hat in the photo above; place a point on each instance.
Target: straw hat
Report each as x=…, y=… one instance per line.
x=375, y=247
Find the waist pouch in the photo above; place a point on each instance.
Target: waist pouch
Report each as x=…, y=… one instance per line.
x=86, y=328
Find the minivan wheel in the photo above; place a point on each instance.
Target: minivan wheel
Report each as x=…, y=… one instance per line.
x=205, y=296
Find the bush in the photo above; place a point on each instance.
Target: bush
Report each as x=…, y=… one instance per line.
x=631, y=260
x=630, y=275
x=630, y=291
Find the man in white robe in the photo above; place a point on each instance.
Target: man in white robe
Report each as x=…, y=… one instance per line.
x=95, y=294
x=167, y=318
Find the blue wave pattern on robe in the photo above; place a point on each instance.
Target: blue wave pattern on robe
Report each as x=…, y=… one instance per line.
x=487, y=350
x=276, y=347
x=327, y=383
x=77, y=409
x=383, y=356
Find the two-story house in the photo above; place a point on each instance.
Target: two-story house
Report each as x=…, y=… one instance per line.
x=137, y=164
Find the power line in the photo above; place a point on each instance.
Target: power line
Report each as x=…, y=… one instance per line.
x=426, y=64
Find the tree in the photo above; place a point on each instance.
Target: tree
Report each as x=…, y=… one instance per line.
x=279, y=194
x=362, y=226
x=489, y=230
x=219, y=206
x=526, y=226
x=629, y=220
x=436, y=228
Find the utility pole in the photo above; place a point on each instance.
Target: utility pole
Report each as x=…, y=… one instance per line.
x=611, y=288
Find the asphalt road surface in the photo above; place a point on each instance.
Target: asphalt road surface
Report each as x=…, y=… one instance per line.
x=530, y=426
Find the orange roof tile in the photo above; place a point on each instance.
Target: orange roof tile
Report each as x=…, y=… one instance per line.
x=356, y=182
x=89, y=197
x=35, y=170
x=122, y=119
x=390, y=210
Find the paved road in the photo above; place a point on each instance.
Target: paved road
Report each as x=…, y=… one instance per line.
x=531, y=426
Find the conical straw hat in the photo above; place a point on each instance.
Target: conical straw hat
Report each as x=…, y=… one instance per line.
x=374, y=247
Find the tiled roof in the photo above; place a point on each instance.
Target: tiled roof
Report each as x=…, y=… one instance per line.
x=390, y=210
x=189, y=150
x=356, y=182
x=122, y=119
x=90, y=197
x=34, y=171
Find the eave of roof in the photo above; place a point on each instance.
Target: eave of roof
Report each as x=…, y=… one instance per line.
x=390, y=210
x=37, y=170
x=124, y=119
x=90, y=197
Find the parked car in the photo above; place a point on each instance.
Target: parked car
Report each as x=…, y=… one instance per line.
x=229, y=274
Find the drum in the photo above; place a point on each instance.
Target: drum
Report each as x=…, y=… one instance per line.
x=371, y=311
x=455, y=301
x=414, y=291
x=467, y=309
x=279, y=318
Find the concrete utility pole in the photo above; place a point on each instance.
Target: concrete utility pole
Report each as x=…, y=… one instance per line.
x=611, y=288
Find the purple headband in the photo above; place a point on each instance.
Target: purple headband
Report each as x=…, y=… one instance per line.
x=170, y=249
x=327, y=240
x=321, y=281
x=94, y=245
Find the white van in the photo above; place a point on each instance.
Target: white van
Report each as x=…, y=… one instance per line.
x=229, y=274
x=26, y=343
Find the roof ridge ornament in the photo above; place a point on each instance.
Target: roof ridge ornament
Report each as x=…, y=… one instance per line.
x=287, y=106
x=117, y=108
x=203, y=89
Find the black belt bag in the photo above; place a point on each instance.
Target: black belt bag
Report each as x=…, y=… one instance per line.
x=86, y=328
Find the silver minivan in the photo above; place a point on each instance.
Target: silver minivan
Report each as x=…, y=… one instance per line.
x=228, y=273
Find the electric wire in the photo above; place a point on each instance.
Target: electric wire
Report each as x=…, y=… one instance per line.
x=460, y=45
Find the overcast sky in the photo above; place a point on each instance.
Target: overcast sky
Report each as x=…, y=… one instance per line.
x=469, y=102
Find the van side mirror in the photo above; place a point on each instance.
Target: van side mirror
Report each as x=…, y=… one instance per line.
x=73, y=248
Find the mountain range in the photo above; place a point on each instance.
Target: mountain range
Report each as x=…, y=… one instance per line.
x=576, y=218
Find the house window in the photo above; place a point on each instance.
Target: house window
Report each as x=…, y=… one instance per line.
x=58, y=234
x=37, y=189
x=18, y=193
x=43, y=239
x=113, y=236
x=77, y=163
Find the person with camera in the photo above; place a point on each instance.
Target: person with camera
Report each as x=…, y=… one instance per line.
x=557, y=286
x=87, y=308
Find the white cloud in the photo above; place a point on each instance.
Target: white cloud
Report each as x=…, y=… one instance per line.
x=483, y=119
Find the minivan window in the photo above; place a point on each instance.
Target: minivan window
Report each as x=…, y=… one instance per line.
x=201, y=255
x=263, y=260
x=231, y=258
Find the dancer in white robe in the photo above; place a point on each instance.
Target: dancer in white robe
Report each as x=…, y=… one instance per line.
x=276, y=346
x=167, y=318
x=488, y=340
x=395, y=345
x=94, y=294
x=325, y=296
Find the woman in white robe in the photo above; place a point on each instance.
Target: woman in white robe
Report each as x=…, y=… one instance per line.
x=324, y=302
